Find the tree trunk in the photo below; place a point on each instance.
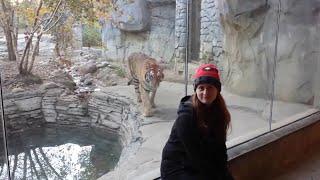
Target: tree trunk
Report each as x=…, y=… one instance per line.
x=24, y=59
x=43, y=172
x=10, y=45
x=57, y=49
x=35, y=52
x=9, y=30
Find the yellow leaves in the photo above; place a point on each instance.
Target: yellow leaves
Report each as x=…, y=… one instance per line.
x=27, y=12
x=45, y=10
x=83, y=10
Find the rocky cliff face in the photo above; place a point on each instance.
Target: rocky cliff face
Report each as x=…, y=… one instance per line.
x=51, y=105
x=141, y=26
x=269, y=47
x=270, y=42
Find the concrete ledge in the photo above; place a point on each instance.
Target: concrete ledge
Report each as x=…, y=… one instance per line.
x=271, y=153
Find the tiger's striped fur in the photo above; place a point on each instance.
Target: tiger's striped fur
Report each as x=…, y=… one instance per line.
x=146, y=75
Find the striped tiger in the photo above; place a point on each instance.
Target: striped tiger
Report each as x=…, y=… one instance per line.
x=146, y=75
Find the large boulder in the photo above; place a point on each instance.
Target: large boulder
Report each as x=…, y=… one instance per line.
x=250, y=29
x=157, y=40
x=132, y=16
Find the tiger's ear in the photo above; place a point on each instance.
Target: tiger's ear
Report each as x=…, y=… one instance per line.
x=160, y=74
x=148, y=65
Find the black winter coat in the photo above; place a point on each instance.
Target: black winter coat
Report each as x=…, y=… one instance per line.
x=189, y=151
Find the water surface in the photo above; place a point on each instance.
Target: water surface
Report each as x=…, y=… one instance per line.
x=53, y=152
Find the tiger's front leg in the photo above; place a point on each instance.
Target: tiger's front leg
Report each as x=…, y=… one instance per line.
x=145, y=102
x=136, y=88
x=153, y=94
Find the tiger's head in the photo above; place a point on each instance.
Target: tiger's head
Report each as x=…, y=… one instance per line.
x=153, y=76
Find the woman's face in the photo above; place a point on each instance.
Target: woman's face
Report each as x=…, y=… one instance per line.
x=206, y=93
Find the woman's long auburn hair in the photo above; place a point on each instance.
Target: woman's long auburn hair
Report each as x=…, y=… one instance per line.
x=219, y=120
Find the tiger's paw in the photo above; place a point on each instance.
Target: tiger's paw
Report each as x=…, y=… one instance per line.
x=147, y=114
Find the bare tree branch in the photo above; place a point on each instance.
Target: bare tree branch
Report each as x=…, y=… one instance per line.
x=54, y=24
x=40, y=26
x=28, y=44
x=25, y=158
x=48, y=163
x=7, y=20
x=53, y=14
x=23, y=66
x=14, y=166
x=34, y=52
x=33, y=165
x=2, y=17
x=40, y=165
x=2, y=167
x=37, y=14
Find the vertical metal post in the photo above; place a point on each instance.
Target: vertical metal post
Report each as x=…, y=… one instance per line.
x=275, y=63
x=187, y=50
x=316, y=101
x=5, y=142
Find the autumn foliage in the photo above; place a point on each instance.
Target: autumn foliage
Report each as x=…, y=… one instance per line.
x=38, y=17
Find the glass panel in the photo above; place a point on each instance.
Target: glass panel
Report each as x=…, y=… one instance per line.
x=67, y=99
x=81, y=58
x=246, y=63
x=296, y=93
x=54, y=130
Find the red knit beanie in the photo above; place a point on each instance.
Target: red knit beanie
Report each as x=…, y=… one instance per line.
x=207, y=74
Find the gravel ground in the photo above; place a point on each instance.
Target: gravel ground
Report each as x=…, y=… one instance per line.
x=11, y=79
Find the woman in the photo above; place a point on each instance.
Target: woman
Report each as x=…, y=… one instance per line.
x=196, y=147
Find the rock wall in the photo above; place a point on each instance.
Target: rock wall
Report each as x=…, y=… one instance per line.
x=166, y=35
x=23, y=110
x=250, y=29
x=211, y=35
x=116, y=113
x=104, y=110
x=131, y=16
x=155, y=39
x=180, y=30
x=239, y=36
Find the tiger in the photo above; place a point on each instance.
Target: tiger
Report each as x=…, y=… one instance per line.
x=146, y=75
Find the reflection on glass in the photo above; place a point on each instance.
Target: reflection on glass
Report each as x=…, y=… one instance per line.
x=3, y=160
x=297, y=65
x=239, y=36
x=270, y=64
x=61, y=153
x=242, y=47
